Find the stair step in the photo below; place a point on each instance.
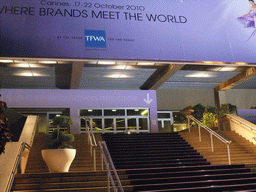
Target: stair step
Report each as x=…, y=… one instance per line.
x=129, y=166
x=144, y=162
x=211, y=183
x=148, y=158
x=227, y=188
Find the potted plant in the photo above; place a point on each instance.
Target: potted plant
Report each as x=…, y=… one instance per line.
x=5, y=133
x=210, y=118
x=60, y=153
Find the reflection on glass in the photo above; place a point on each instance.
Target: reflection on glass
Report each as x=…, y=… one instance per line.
x=97, y=124
x=114, y=112
x=90, y=112
x=178, y=118
x=82, y=124
x=143, y=123
x=132, y=125
x=52, y=127
x=163, y=115
x=120, y=124
x=109, y=125
x=145, y=112
x=116, y=120
x=137, y=112
x=159, y=126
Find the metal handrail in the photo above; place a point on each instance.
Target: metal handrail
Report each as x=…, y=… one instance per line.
x=109, y=162
x=16, y=165
x=212, y=133
x=92, y=142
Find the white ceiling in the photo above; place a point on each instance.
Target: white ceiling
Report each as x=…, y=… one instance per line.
x=95, y=76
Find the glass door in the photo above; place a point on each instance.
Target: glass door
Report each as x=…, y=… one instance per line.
x=116, y=120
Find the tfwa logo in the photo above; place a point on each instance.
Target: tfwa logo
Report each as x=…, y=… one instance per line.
x=95, y=38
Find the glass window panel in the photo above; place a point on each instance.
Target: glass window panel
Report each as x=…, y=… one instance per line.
x=132, y=125
x=120, y=124
x=168, y=128
x=90, y=112
x=143, y=123
x=82, y=124
x=164, y=115
x=51, y=116
x=178, y=118
x=137, y=112
x=159, y=125
x=97, y=124
x=109, y=124
x=114, y=112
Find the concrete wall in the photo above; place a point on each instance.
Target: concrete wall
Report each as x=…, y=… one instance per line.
x=77, y=99
x=242, y=98
x=177, y=99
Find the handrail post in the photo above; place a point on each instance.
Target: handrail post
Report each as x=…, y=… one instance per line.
x=94, y=159
x=212, y=133
x=188, y=124
x=229, y=159
x=211, y=142
x=108, y=180
x=110, y=165
x=199, y=130
x=102, y=163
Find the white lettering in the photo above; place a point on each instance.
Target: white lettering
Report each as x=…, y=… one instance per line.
x=93, y=38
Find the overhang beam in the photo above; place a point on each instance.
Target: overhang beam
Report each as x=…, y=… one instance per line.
x=68, y=76
x=160, y=76
x=238, y=79
x=76, y=76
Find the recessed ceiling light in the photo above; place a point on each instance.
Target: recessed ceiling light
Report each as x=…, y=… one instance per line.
x=119, y=67
x=145, y=63
x=91, y=62
x=199, y=75
x=223, y=69
x=228, y=69
x=215, y=69
x=30, y=74
x=21, y=65
x=241, y=63
x=106, y=62
x=20, y=61
x=47, y=62
x=26, y=65
x=6, y=61
x=118, y=76
x=213, y=62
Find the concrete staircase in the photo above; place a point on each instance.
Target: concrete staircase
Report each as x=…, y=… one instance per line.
x=241, y=150
x=166, y=162
x=80, y=178
x=82, y=162
x=145, y=162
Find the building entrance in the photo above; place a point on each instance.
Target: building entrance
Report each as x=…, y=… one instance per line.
x=115, y=120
